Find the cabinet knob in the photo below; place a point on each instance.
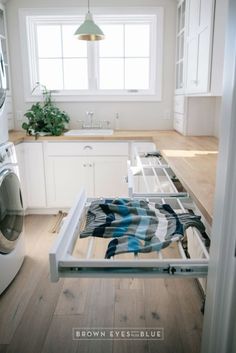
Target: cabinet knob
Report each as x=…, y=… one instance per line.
x=90, y=165
x=84, y=164
x=88, y=147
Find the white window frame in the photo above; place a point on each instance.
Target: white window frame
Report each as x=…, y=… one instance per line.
x=29, y=18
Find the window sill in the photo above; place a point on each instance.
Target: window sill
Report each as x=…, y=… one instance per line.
x=98, y=98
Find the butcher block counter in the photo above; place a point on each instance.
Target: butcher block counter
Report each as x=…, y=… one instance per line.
x=193, y=159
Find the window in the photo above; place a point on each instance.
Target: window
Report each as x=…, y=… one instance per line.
x=124, y=66
x=61, y=59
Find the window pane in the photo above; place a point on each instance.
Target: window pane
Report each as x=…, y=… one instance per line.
x=72, y=47
x=137, y=73
x=111, y=74
x=113, y=45
x=137, y=38
x=50, y=73
x=49, y=41
x=75, y=74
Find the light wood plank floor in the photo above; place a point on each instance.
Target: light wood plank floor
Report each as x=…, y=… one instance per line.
x=37, y=316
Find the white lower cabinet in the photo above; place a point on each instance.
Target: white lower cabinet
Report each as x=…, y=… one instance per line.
x=109, y=176
x=20, y=155
x=32, y=175
x=66, y=176
x=35, y=175
x=194, y=115
x=99, y=168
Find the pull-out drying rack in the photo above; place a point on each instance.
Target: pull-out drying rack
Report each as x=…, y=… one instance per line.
x=72, y=256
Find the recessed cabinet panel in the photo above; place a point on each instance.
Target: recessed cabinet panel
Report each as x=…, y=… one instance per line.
x=179, y=122
x=180, y=45
x=109, y=177
x=206, y=10
x=35, y=180
x=204, y=60
x=192, y=71
x=194, y=16
x=20, y=155
x=199, y=43
x=179, y=104
x=66, y=177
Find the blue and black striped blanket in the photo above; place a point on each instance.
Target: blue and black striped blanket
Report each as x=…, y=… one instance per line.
x=137, y=226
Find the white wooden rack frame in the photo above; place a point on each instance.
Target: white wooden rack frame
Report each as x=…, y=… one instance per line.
x=64, y=264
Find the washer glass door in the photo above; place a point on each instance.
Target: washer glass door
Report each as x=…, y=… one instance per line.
x=11, y=211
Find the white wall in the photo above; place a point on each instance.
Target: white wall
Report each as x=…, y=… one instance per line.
x=133, y=115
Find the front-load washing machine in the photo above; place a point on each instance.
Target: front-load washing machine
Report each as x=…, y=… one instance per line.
x=12, y=250
x=3, y=110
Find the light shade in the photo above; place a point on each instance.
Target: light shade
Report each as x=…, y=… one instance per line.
x=89, y=30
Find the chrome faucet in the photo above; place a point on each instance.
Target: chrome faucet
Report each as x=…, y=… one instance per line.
x=90, y=117
x=91, y=123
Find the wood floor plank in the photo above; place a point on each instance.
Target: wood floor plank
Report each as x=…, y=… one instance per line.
x=59, y=338
x=129, y=313
x=31, y=332
x=191, y=318
x=15, y=300
x=161, y=311
x=99, y=313
x=73, y=297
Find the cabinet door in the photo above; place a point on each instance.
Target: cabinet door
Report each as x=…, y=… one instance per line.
x=109, y=176
x=194, y=16
x=199, y=45
x=66, y=176
x=20, y=155
x=192, y=70
x=34, y=172
x=204, y=60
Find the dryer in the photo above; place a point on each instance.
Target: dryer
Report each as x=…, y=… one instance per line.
x=12, y=250
x=3, y=110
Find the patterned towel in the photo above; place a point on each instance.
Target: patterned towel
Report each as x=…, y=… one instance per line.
x=137, y=225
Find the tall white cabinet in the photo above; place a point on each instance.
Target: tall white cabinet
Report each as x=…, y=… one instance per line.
x=199, y=45
x=199, y=65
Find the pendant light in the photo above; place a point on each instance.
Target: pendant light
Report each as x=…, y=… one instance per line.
x=89, y=30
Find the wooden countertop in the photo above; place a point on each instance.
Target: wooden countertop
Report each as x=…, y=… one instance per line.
x=193, y=159
x=20, y=136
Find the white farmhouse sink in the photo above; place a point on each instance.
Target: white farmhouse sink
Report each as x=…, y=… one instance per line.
x=89, y=132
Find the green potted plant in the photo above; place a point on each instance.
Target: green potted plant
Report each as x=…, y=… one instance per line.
x=45, y=118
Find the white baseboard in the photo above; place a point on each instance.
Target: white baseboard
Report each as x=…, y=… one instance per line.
x=44, y=211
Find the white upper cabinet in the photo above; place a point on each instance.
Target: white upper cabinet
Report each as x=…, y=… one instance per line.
x=199, y=45
x=180, y=45
x=194, y=12
x=200, y=40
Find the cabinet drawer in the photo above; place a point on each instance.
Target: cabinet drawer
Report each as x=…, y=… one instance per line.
x=179, y=122
x=143, y=147
x=179, y=104
x=87, y=149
